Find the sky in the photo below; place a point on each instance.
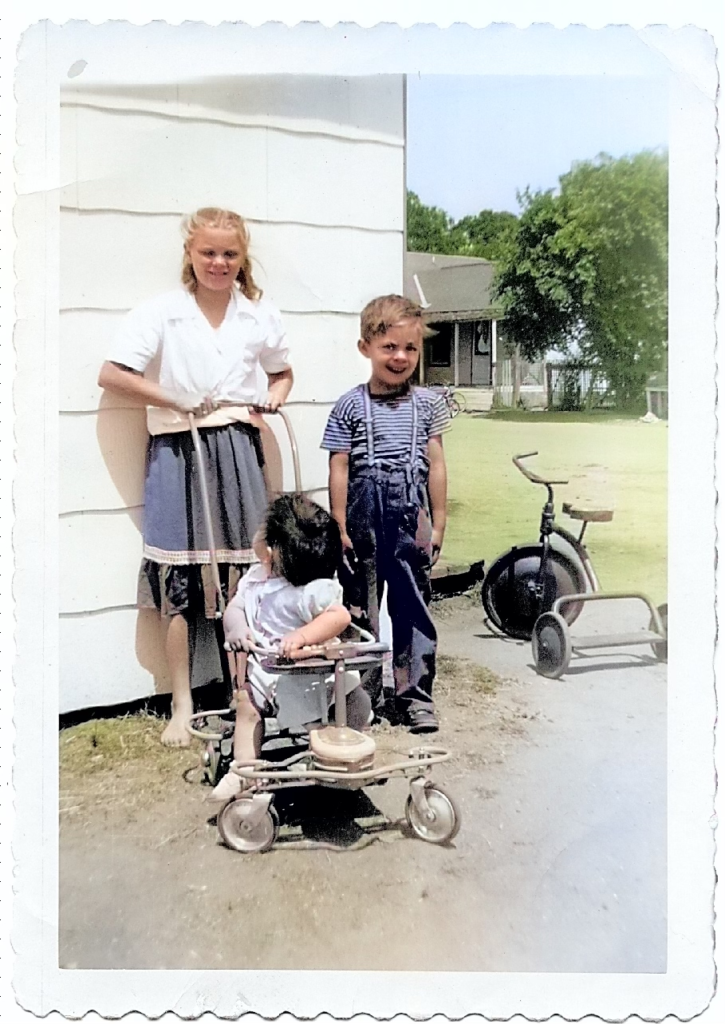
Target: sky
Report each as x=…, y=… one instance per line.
x=473, y=141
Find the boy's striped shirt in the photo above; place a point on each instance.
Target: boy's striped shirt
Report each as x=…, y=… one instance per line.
x=392, y=425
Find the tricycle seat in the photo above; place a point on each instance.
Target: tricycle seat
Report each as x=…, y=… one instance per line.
x=588, y=515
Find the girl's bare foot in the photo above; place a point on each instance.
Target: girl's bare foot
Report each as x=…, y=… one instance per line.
x=176, y=734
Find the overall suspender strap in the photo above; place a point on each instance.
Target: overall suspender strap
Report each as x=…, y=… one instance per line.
x=414, y=429
x=368, y=406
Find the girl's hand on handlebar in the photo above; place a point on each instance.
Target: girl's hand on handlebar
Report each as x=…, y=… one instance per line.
x=206, y=406
x=266, y=403
x=193, y=404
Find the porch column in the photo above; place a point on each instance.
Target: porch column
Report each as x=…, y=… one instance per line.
x=494, y=335
x=456, y=330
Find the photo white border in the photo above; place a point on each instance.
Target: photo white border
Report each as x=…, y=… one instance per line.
x=684, y=991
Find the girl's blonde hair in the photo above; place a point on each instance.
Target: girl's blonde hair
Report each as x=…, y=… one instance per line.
x=215, y=217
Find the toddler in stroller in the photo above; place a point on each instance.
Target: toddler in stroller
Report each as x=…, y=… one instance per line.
x=290, y=599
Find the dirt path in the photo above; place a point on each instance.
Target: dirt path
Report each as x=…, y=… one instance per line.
x=559, y=865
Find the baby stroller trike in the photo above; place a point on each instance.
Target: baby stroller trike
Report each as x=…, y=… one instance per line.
x=337, y=756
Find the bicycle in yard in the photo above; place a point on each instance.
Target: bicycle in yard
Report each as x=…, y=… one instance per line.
x=455, y=401
x=536, y=591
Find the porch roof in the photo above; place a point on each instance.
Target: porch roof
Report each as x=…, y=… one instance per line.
x=456, y=287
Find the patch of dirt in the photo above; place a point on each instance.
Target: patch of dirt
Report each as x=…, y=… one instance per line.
x=145, y=881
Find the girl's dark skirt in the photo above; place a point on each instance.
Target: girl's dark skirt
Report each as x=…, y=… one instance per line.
x=175, y=574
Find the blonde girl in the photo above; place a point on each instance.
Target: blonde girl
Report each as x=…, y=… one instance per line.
x=198, y=348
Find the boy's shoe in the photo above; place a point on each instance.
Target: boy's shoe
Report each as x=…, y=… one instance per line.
x=392, y=711
x=422, y=720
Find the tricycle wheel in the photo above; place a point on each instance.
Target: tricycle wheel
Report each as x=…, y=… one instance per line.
x=551, y=645
x=515, y=592
x=659, y=647
x=445, y=818
x=239, y=835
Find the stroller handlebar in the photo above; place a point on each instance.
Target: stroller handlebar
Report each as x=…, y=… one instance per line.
x=328, y=651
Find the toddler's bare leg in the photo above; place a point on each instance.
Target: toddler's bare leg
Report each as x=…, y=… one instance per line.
x=248, y=733
x=248, y=729
x=177, y=655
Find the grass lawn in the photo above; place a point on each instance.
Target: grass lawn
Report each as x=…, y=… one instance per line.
x=610, y=463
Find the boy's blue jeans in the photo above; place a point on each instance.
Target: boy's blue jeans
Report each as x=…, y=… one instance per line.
x=389, y=525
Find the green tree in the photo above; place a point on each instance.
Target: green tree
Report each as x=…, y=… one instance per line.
x=428, y=227
x=589, y=266
x=488, y=234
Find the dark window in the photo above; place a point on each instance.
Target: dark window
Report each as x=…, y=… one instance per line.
x=440, y=351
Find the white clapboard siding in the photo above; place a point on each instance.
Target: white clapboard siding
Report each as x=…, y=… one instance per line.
x=323, y=352
x=253, y=169
x=110, y=658
x=102, y=457
x=301, y=268
x=96, y=667
x=100, y=553
x=317, y=166
x=368, y=108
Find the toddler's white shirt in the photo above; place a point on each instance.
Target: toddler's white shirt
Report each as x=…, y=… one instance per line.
x=274, y=608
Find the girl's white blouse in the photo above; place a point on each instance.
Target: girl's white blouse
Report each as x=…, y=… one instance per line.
x=170, y=341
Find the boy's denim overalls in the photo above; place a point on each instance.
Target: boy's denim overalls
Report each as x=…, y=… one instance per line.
x=388, y=522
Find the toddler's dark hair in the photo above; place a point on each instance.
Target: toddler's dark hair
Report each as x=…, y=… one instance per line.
x=306, y=538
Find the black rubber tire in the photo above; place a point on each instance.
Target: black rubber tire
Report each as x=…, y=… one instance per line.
x=659, y=647
x=447, y=820
x=507, y=592
x=259, y=841
x=551, y=645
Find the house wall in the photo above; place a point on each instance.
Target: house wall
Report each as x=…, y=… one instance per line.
x=317, y=167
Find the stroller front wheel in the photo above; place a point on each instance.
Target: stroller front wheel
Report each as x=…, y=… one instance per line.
x=441, y=820
x=243, y=830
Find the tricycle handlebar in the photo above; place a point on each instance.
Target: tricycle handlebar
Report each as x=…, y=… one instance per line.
x=533, y=477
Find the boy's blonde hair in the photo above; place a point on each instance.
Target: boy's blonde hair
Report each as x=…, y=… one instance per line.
x=216, y=217
x=385, y=312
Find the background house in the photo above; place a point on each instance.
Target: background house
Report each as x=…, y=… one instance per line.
x=317, y=166
x=469, y=349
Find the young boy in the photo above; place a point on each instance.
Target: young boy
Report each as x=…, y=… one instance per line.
x=388, y=496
